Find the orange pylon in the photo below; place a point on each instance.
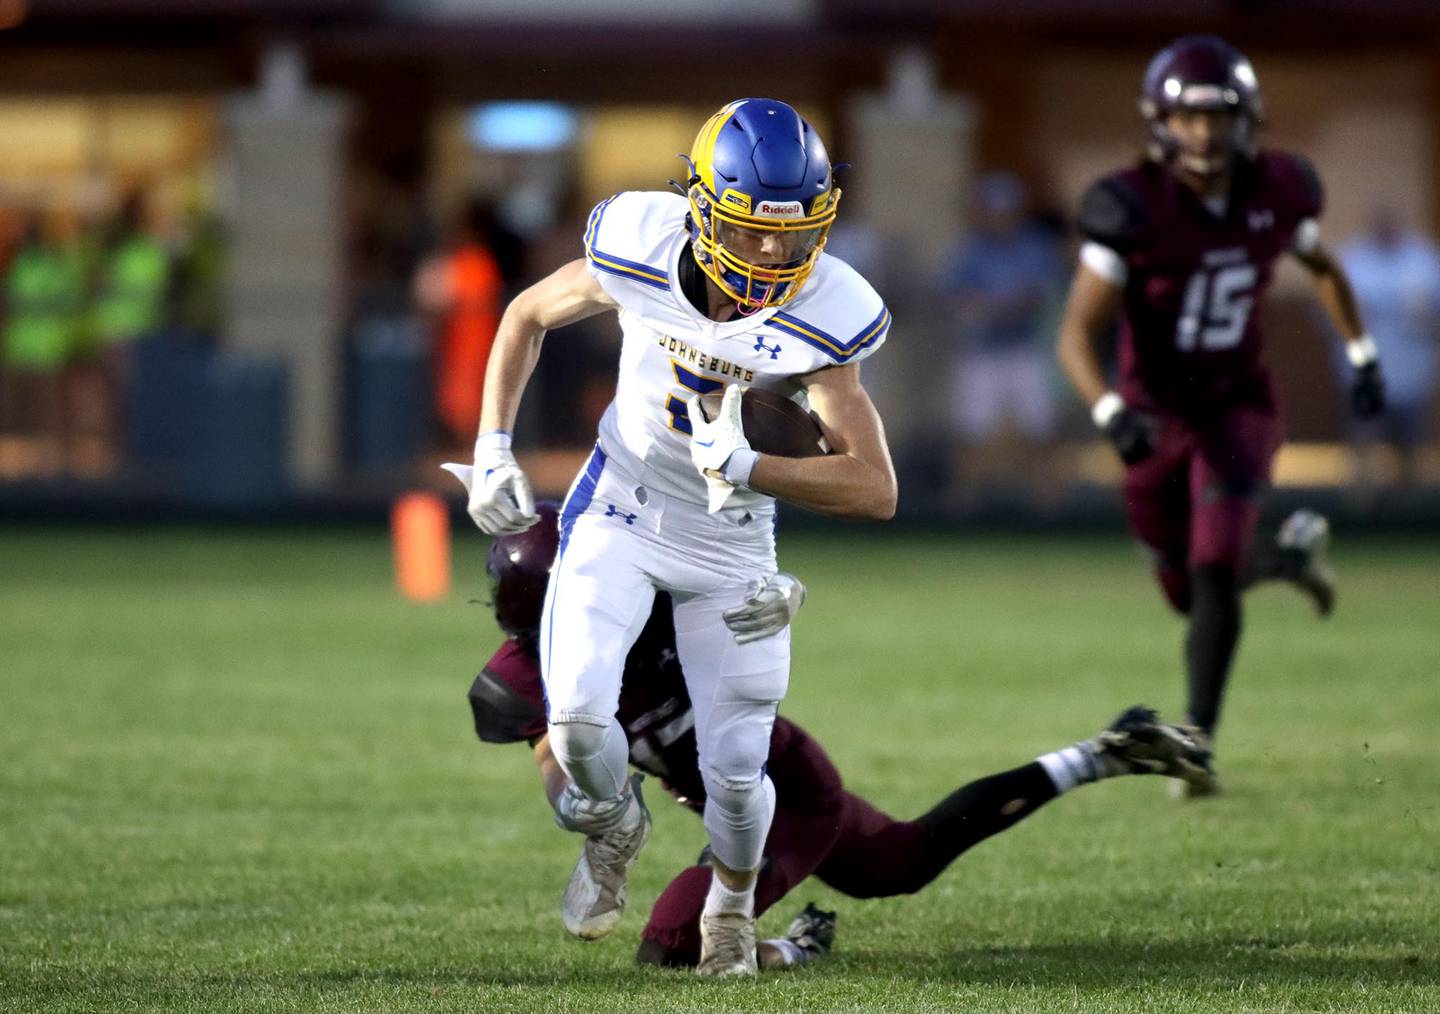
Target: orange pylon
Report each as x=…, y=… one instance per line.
x=420, y=534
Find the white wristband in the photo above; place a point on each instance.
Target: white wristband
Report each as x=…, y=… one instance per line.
x=493, y=440
x=1362, y=352
x=1106, y=407
x=740, y=465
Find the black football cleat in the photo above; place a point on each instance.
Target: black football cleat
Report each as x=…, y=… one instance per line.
x=813, y=931
x=1141, y=743
x=1207, y=786
x=1304, y=545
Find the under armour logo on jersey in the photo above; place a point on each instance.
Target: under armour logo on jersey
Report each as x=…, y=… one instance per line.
x=611, y=512
x=774, y=350
x=1262, y=220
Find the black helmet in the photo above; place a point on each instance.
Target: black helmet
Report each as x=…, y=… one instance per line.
x=519, y=569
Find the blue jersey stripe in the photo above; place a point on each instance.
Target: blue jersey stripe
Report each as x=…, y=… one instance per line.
x=834, y=348
x=593, y=225
x=633, y=270
x=628, y=269
x=580, y=498
x=575, y=504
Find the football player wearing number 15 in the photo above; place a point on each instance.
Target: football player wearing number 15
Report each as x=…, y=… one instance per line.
x=725, y=286
x=1185, y=243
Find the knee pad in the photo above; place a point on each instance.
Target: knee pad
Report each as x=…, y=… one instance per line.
x=738, y=813
x=595, y=757
x=577, y=740
x=733, y=795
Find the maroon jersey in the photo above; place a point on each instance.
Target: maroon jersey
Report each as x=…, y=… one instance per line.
x=508, y=703
x=1190, y=339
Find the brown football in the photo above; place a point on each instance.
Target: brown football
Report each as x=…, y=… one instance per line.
x=773, y=424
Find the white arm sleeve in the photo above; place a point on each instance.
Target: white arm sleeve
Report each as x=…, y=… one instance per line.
x=1105, y=262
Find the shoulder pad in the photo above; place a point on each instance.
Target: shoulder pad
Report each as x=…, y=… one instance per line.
x=1112, y=214
x=837, y=313
x=628, y=236
x=1296, y=176
x=503, y=714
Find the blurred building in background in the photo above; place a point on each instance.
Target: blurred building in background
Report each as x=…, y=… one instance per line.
x=253, y=252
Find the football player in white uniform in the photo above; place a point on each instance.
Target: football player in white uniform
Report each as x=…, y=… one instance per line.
x=724, y=287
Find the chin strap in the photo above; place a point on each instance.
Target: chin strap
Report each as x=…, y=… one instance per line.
x=750, y=312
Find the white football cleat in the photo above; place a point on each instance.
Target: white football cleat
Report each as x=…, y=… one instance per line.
x=594, y=899
x=1304, y=543
x=727, y=944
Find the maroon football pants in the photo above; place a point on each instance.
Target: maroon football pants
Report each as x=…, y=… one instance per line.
x=1195, y=502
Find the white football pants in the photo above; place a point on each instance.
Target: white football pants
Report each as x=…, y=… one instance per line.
x=619, y=542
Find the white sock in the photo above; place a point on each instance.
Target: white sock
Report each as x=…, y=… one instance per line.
x=722, y=899
x=1070, y=767
x=790, y=952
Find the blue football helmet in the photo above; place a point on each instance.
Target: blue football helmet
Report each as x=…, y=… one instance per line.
x=762, y=199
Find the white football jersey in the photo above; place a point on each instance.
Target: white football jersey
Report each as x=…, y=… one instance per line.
x=670, y=351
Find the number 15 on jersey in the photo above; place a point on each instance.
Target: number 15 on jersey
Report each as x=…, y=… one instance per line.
x=1216, y=308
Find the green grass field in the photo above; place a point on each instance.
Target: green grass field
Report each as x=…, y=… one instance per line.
x=236, y=773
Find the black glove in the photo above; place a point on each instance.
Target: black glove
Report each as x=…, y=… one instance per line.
x=1133, y=434
x=1367, y=393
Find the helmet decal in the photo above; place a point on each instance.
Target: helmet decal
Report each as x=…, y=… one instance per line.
x=737, y=200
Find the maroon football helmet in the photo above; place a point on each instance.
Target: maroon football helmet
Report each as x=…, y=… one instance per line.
x=519, y=569
x=1201, y=72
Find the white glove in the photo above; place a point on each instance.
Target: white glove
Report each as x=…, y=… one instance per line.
x=768, y=611
x=500, y=499
x=719, y=448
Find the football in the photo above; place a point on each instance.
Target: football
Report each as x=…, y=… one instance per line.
x=773, y=424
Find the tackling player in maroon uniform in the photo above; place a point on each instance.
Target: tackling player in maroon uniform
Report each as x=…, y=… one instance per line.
x=1185, y=243
x=819, y=828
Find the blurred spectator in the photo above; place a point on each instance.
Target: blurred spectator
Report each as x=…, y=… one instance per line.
x=45, y=299
x=510, y=247
x=133, y=277
x=198, y=283
x=583, y=379
x=1395, y=272
x=856, y=242
x=462, y=288
x=131, y=300
x=1001, y=282
x=1001, y=285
